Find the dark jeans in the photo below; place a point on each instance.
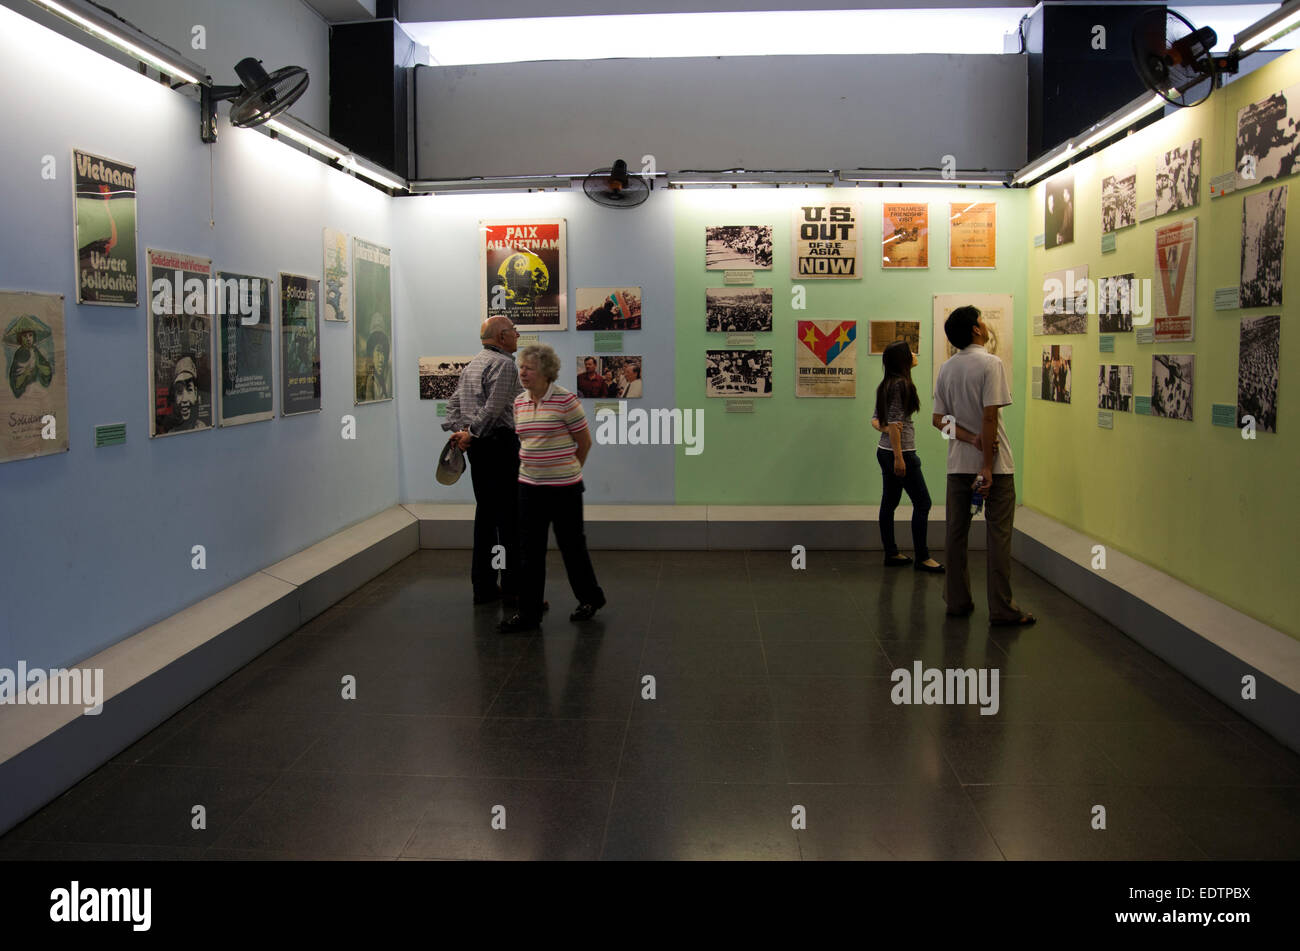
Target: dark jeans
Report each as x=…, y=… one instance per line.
x=540, y=506
x=999, y=516
x=494, y=471
x=914, y=483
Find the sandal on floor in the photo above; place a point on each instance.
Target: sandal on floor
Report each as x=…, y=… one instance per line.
x=935, y=569
x=897, y=561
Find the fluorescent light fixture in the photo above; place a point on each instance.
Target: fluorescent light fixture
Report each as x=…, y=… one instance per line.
x=751, y=178
x=1044, y=164
x=889, y=177
x=137, y=44
x=1121, y=119
x=432, y=186
x=1258, y=35
x=303, y=134
x=751, y=33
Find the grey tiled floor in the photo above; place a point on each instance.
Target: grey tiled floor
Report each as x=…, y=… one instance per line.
x=772, y=691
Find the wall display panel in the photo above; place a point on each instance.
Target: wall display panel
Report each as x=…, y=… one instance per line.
x=107, y=266
x=1178, y=178
x=1065, y=301
x=439, y=376
x=827, y=242
x=737, y=373
x=1172, y=378
x=1058, y=211
x=1115, y=387
x=905, y=235
x=372, y=267
x=998, y=311
x=1119, y=200
x=300, y=368
x=1057, y=373
x=337, y=270
x=34, y=401
x=1115, y=296
x=245, y=349
x=1258, y=356
x=180, y=343
x=524, y=265
x=744, y=247
x=826, y=358
x=607, y=308
x=1263, y=228
x=1175, y=283
x=738, y=309
x=972, y=234
x=610, y=377
x=1268, y=137
x=884, y=332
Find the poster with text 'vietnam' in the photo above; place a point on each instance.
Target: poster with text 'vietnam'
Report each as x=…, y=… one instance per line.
x=107, y=263
x=905, y=236
x=523, y=268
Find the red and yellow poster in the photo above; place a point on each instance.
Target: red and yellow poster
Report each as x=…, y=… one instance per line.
x=1175, y=316
x=906, y=235
x=973, y=234
x=523, y=268
x=826, y=358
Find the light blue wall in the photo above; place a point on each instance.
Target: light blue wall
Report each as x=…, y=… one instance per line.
x=439, y=307
x=97, y=541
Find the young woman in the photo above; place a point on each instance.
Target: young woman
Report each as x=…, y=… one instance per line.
x=896, y=403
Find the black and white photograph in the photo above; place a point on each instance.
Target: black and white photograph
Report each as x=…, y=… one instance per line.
x=1257, y=371
x=1263, y=226
x=1057, y=377
x=439, y=376
x=1178, y=178
x=1058, y=211
x=1065, y=301
x=610, y=377
x=1119, y=201
x=1115, y=304
x=738, y=373
x=1171, y=385
x=1268, y=139
x=744, y=247
x=1115, y=387
x=738, y=309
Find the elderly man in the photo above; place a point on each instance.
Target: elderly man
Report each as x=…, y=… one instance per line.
x=481, y=415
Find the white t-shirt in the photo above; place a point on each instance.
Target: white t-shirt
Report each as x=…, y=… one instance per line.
x=971, y=380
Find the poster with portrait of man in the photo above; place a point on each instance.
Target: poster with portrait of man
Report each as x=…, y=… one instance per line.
x=245, y=350
x=524, y=269
x=299, y=345
x=373, y=338
x=180, y=343
x=34, y=400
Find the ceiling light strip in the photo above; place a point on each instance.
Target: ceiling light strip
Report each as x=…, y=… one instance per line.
x=95, y=23
x=1263, y=31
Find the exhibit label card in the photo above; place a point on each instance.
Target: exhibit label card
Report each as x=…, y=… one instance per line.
x=1039, y=239
x=442, y=409
x=528, y=340
x=1146, y=210
x=1105, y=419
x=972, y=234
x=107, y=261
x=1106, y=343
x=608, y=341
x=1226, y=298
x=34, y=397
x=827, y=242
x=740, y=340
x=1224, y=184
x=740, y=406
x=610, y=406
x=1223, y=414
x=1145, y=335
x=1142, y=405
x=737, y=277
x=110, y=434
x=1108, y=242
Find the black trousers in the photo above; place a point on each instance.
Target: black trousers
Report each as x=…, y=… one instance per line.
x=914, y=483
x=540, y=507
x=494, y=472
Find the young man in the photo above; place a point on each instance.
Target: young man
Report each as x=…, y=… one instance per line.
x=972, y=388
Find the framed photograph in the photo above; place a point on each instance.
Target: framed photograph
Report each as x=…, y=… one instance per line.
x=738, y=373
x=1058, y=211
x=732, y=247
x=607, y=308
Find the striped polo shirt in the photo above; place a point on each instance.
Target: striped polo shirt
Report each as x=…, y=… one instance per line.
x=548, y=454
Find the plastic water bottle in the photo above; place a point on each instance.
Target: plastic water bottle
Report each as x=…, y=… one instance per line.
x=977, y=497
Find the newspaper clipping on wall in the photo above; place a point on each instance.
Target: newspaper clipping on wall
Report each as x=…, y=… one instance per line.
x=1119, y=200
x=299, y=345
x=1115, y=387
x=181, y=307
x=972, y=234
x=905, y=235
x=373, y=340
x=1268, y=137
x=827, y=242
x=245, y=353
x=524, y=268
x=34, y=404
x=1263, y=226
x=745, y=373
x=884, y=332
x=826, y=358
x=1175, y=282
x=1178, y=178
x=1172, y=379
x=338, y=276
x=107, y=264
x=1257, y=360
x=998, y=311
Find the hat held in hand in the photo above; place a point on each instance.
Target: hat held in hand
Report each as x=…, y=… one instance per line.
x=451, y=463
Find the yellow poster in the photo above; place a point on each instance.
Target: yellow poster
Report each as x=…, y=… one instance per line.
x=34, y=403
x=973, y=234
x=906, y=235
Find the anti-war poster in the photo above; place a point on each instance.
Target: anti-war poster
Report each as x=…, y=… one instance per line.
x=104, y=200
x=299, y=344
x=245, y=350
x=34, y=398
x=181, y=305
x=522, y=264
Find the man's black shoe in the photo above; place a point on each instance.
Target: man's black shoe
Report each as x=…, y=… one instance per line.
x=517, y=624
x=585, y=611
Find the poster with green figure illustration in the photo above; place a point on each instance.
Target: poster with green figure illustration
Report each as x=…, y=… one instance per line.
x=373, y=337
x=105, y=219
x=338, y=277
x=34, y=398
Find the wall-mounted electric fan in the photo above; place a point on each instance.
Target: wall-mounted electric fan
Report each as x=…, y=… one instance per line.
x=260, y=97
x=614, y=188
x=1173, y=57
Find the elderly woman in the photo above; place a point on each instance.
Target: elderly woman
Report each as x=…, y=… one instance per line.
x=553, y=445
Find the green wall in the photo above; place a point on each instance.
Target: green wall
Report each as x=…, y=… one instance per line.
x=806, y=451
x=1192, y=499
